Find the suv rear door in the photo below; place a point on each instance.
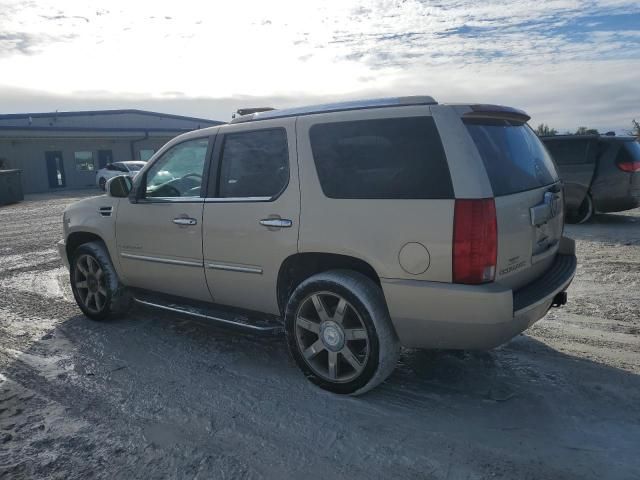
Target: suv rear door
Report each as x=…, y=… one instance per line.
x=528, y=196
x=251, y=213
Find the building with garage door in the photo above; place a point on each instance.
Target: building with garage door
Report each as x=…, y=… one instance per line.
x=64, y=149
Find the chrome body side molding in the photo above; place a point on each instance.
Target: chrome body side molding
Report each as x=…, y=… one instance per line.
x=236, y=199
x=235, y=268
x=170, y=261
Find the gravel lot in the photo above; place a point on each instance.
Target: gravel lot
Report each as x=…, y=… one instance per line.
x=159, y=396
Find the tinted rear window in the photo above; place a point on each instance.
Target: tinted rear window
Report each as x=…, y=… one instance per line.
x=384, y=158
x=513, y=156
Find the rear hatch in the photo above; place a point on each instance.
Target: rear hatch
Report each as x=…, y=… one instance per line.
x=528, y=196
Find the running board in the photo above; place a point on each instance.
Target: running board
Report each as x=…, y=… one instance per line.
x=222, y=316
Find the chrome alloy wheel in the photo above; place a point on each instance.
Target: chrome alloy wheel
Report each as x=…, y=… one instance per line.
x=90, y=283
x=332, y=337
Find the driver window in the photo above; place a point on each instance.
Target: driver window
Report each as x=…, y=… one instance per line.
x=178, y=172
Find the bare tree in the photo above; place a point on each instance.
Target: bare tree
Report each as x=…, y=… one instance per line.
x=635, y=131
x=586, y=131
x=544, y=130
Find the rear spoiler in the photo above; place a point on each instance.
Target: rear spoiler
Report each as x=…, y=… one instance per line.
x=497, y=112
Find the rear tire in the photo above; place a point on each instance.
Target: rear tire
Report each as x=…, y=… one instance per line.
x=584, y=212
x=339, y=332
x=95, y=284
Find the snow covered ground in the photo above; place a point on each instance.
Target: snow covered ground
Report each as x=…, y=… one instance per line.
x=160, y=396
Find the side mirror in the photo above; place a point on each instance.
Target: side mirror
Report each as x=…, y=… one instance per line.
x=119, y=186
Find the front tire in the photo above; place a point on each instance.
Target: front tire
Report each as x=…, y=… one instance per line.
x=102, y=183
x=339, y=332
x=95, y=284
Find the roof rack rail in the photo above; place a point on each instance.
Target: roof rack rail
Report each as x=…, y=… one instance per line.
x=337, y=107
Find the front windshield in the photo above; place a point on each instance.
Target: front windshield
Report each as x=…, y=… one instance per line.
x=134, y=167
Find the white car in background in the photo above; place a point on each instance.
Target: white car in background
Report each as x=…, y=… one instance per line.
x=130, y=168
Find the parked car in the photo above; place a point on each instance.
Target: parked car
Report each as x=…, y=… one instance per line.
x=601, y=173
x=354, y=227
x=130, y=168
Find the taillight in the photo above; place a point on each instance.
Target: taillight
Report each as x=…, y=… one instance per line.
x=475, y=241
x=629, y=166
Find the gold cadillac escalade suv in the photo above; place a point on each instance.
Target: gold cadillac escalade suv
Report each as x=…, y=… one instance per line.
x=354, y=227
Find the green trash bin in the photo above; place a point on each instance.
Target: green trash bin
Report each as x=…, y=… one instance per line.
x=10, y=186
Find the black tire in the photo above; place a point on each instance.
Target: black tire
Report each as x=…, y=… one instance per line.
x=363, y=304
x=109, y=296
x=584, y=212
x=103, y=183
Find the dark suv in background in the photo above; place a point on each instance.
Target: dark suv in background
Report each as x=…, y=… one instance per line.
x=601, y=173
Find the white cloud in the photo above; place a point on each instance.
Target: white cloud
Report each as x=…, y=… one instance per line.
x=550, y=57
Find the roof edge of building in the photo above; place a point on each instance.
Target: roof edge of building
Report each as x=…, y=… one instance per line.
x=8, y=116
x=98, y=129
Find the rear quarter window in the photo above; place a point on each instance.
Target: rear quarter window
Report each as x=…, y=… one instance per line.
x=393, y=158
x=569, y=152
x=513, y=155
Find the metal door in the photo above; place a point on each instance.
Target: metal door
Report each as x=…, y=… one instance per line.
x=55, y=169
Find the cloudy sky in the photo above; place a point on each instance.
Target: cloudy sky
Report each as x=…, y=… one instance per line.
x=567, y=62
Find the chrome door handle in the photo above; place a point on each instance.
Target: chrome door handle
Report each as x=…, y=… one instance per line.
x=276, y=222
x=185, y=221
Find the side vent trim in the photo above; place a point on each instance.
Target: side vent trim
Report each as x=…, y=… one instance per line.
x=105, y=211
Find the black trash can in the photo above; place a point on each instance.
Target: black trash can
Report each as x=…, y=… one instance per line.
x=10, y=186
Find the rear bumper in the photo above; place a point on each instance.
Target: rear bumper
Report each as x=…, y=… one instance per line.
x=444, y=315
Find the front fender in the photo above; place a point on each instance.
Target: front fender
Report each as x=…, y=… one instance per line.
x=93, y=216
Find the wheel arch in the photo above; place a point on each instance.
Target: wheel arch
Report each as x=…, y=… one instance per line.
x=75, y=239
x=300, y=266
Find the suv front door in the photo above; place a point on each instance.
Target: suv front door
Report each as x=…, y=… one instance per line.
x=250, y=220
x=159, y=235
